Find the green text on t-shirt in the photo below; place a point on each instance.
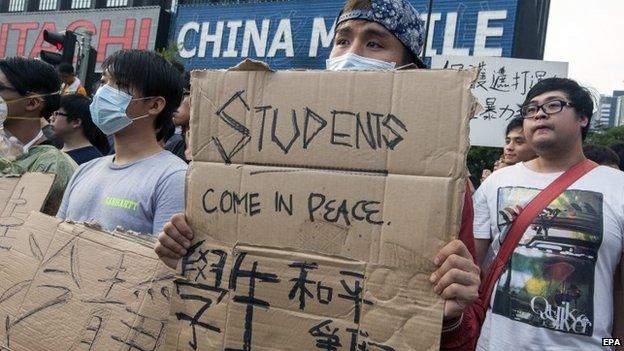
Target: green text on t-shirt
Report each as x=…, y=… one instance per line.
x=121, y=203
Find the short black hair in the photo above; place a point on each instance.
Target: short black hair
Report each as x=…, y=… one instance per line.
x=580, y=97
x=186, y=78
x=178, y=65
x=77, y=108
x=515, y=123
x=66, y=68
x=28, y=75
x=151, y=75
x=602, y=155
x=619, y=150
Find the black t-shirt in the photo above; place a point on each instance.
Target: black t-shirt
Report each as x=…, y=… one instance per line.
x=176, y=146
x=84, y=154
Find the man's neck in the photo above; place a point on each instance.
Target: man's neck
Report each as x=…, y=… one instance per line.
x=136, y=144
x=25, y=130
x=74, y=141
x=557, y=160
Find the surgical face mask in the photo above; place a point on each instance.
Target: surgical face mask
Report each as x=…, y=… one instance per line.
x=108, y=109
x=353, y=62
x=10, y=147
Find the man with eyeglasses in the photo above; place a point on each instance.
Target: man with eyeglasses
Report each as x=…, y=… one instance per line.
x=29, y=90
x=557, y=291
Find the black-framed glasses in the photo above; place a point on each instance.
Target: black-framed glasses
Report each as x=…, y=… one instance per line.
x=59, y=113
x=549, y=107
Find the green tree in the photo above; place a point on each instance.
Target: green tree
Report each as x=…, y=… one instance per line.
x=170, y=52
x=607, y=137
x=480, y=158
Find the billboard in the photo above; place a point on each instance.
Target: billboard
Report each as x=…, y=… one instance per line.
x=21, y=34
x=294, y=34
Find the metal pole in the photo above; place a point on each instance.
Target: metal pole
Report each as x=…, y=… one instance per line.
x=83, y=58
x=427, y=29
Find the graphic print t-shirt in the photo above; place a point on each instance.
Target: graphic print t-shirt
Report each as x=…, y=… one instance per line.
x=556, y=293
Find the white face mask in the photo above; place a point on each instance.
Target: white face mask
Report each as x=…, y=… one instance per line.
x=353, y=62
x=10, y=147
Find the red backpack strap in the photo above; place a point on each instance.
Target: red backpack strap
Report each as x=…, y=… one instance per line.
x=524, y=220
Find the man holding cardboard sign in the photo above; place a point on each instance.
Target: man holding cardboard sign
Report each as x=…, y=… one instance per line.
x=370, y=35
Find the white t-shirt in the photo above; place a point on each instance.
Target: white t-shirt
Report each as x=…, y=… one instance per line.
x=559, y=295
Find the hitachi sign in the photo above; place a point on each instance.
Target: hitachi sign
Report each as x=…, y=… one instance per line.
x=269, y=38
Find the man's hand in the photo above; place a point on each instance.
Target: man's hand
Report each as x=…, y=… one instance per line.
x=457, y=278
x=174, y=240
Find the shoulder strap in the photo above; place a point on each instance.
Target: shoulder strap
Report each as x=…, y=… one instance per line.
x=524, y=219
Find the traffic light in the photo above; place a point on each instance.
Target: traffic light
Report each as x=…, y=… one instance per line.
x=65, y=43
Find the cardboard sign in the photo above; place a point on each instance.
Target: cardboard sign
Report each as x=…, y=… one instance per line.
x=501, y=87
x=66, y=286
x=319, y=200
x=19, y=195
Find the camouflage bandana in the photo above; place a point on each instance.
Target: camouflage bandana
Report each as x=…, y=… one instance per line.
x=399, y=17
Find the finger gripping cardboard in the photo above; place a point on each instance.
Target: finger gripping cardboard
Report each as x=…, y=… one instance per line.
x=318, y=201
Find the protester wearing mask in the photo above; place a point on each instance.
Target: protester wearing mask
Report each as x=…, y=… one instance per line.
x=373, y=35
x=29, y=90
x=72, y=123
x=141, y=185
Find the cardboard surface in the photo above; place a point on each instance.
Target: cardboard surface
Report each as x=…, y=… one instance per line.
x=303, y=243
x=404, y=122
x=66, y=286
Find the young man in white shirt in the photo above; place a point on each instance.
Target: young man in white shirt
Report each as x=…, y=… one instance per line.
x=557, y=291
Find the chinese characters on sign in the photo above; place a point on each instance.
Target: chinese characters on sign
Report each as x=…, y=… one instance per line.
x=71, y=287
x=501, y=86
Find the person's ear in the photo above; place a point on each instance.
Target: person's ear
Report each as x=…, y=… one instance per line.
x=583, y=121
x=157, y=104
x=76, y=123
x=34, y=103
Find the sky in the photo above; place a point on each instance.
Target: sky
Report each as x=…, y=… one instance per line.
x=589, y=35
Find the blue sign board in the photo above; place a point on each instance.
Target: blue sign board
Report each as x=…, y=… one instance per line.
x=298, y=33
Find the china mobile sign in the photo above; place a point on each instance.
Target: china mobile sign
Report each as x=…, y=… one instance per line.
x=21, y=34
x=293, y=33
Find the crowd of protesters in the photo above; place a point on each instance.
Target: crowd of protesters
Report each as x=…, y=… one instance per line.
x=120, y=159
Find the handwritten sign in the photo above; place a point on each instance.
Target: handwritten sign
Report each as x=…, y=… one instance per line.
x=501, y=87
x=66, y=286
x=315, y=227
